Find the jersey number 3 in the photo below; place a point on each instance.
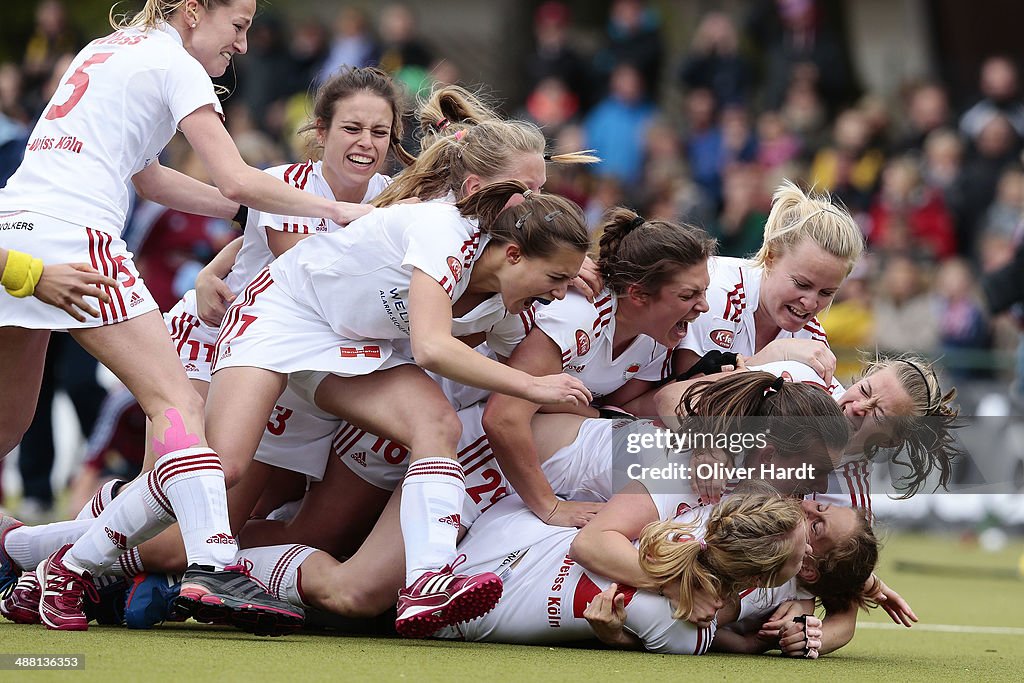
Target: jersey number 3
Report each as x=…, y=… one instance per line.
x=79, y=80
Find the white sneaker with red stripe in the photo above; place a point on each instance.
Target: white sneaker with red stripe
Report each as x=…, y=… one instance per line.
x=439, y=599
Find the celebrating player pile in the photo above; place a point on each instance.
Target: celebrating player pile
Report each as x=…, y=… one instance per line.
x=379, y=367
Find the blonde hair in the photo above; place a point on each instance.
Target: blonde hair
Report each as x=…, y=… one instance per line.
x=155, y=12
x=747, y=542
x=797, y=215
x=926, y=437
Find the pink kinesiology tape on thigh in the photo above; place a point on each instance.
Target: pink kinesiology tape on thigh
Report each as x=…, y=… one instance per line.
x=176, y=437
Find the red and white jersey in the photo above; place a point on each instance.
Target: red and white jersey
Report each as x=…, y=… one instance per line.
x=795, y=371
x=849, y=485
x=116, y=107
x=357, y=279
x=733, y=298
x=545, y=592
x=255, y=253
x=584, y=331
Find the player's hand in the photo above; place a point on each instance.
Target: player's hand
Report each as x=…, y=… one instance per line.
x=65, y=285
x=555, y=389
x=801, y=639
x=606, y=614
x=213, y=297
x=589, y=281
x=895, y=606
x=705, y=607
x=709, y=488
x=346, y=212
x=572, y=513
x=783, y=614
x=807, y=351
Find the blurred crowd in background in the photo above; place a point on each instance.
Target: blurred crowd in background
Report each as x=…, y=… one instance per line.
x=937, y=185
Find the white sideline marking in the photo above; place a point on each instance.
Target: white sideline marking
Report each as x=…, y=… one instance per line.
x=947, y=628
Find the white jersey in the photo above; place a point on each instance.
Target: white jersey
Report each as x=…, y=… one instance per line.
x=583, y=332
x=117, y=106
x=255, y=254
x=340, y=303
x=358, y=279
x=733, y=297
x=849, y=485
x=545, y=592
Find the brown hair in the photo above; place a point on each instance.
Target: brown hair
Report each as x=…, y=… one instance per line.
x=539, y=225
x=796, y=418
x=746, y=543
x=350, y=81
x=845, y=569
x=647, y=254
x=926, y=437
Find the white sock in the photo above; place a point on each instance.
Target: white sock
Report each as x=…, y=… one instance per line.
x=194, y=482
x=138, y=513
x=30, y=545
x=100, y=500
x=277, y=567
x=432, y=495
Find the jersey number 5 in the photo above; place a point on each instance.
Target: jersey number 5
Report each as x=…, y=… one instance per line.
x=79, y=80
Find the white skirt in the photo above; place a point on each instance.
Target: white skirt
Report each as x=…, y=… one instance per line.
x=266, y=328
x=57, y=241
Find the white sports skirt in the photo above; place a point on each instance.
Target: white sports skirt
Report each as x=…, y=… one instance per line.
x=57, y=241
x=266, y=328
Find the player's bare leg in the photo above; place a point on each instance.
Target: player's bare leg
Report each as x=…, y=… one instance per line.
x=21, y=374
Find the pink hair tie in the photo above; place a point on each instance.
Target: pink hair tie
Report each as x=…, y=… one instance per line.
x=703, y=544
x=459, y=134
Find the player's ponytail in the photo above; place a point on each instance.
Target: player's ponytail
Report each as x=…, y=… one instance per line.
x=748, y=541
x=634, y=251
x=153, y=13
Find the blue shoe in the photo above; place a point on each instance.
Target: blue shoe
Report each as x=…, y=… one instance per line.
x=149, y=599
x=9, y=571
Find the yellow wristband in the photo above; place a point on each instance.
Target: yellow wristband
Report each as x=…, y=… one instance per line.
x=21, y=274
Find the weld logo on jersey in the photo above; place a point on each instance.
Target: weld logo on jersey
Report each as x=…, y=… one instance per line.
x=631, y=370
x=135, y=300
x=455, y=266
x=453, y=520
x=322, y=226
x=582, y=343
x=221, y=539
x=191, y=367
x=365, y=351
x=360, y=458
x=117, y=538
x=722, y=337
x=578, y=369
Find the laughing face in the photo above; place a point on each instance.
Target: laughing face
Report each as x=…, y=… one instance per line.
x=355, y=141
x=668, y=314
x=219, y=33
x=800, y=283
